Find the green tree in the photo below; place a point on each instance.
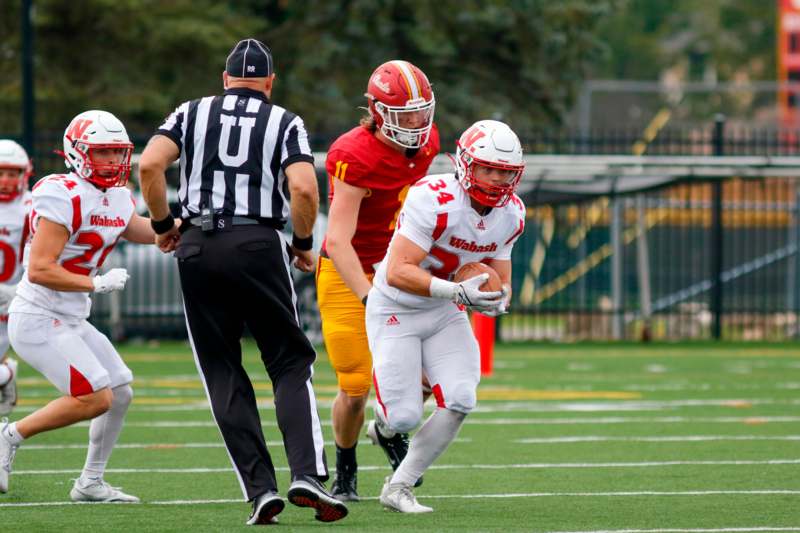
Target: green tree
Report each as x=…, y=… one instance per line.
x=519, y=60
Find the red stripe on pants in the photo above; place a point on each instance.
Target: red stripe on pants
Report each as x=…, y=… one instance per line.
x=78, y=385
x=437, y=393
x=378, y=395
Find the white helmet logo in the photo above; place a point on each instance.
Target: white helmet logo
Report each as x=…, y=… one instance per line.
x=380, y=84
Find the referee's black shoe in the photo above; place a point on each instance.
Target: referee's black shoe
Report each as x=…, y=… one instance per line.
x=265, y=508
x=395, y=448
x=307, y=491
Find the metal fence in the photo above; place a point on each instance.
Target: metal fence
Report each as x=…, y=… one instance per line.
x=592, y=270
x=692, y=260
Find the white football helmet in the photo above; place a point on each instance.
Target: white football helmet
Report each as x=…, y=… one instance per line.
x=89, y=132
x=13, y=157
x=491, y=144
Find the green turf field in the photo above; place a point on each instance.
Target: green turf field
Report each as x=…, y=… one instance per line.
x=566, y=438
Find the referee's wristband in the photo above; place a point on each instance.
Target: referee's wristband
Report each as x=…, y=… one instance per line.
x=303, y=244
x=164, y=225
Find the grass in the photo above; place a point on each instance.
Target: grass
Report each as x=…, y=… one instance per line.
x=581, y=437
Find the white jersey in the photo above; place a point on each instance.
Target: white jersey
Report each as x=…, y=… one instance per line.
x=13, y=234
x=438, y=217
x=95, y=220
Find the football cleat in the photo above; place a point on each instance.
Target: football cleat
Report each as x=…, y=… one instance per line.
x=97, y=490
x=7, y=452
x=307, y=491
x=399, y=497
x=395, y=448
x=344, y=486
x=8, y=392
x=265, y=509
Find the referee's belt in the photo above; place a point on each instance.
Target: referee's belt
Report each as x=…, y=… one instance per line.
x=221, y=223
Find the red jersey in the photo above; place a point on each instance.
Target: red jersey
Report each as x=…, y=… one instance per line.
x=359, y=159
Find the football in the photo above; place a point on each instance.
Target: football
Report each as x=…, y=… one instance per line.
x=470, y=270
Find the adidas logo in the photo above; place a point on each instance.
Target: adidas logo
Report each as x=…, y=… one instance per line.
x=480, y=225
x=393, y=321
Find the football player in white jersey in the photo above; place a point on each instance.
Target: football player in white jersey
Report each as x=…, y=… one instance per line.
x=76, y=219
x=416, y=318
x=15, y=202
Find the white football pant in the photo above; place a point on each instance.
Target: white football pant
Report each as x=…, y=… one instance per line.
x=405, y=342
x=74, y=357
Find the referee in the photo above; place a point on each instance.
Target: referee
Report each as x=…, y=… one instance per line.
x=239, y=153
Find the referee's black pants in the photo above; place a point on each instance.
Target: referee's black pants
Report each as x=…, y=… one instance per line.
x=239, y=277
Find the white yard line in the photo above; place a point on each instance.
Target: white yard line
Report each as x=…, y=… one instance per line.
x=660, y=438
x=198, y=403
x=168, y=446
x=647, y=464
x=522, y=421
x=502, y=496
x=534, y=440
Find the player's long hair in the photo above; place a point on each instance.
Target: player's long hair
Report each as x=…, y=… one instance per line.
x=368, y=122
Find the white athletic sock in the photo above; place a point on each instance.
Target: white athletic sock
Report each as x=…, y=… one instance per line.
x=5, y=374
x=10, y=433
x=104, y=431
x=428, y=444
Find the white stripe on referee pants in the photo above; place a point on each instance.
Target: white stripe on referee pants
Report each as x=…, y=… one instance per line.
x=316, y=425
x=205, y=386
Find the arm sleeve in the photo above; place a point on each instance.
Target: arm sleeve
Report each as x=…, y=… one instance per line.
x=418, y=218
x=295, y=145
x=174, y=126
x=52, y=201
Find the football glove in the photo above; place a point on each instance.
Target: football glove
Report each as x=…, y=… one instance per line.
x=113, y=280
x=502, y=305
x=465, y=292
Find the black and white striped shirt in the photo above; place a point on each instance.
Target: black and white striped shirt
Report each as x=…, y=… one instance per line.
x=234, y=149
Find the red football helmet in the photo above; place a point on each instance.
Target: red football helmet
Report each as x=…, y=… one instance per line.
x=97, y=131
x=401, y=103
x=15, y=169
x=493, y=145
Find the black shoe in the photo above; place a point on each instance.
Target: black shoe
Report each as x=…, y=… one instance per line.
x=307, y=491
x=395, y=448
x=344, y=486
x=265, y=508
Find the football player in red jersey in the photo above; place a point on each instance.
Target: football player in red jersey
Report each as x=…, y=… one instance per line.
x=370, y=168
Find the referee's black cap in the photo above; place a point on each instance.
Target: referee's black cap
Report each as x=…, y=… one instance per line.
x=250, y=58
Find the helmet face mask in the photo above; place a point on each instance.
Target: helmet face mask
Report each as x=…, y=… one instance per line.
x=401, y=103
x=97, y=148
x=489, y=162
x=15, y=169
